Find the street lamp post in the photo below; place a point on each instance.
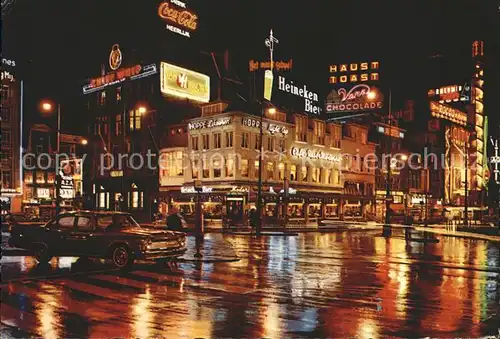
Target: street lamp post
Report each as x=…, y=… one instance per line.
x=259, y=189
x=466, y=189
x=388, y=166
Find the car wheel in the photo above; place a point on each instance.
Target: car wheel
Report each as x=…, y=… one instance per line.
x=41, y=253
x=122, y=257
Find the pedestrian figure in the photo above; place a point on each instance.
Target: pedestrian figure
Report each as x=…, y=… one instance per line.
x=408, y=226
x=253, y=218
x=175, y=221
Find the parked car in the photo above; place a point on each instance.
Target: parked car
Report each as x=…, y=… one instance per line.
x=110, y=235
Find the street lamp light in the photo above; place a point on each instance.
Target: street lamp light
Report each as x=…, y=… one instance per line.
x=84, y=142
x=142, y=110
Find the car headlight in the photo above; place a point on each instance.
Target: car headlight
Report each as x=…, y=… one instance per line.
x=146, y=244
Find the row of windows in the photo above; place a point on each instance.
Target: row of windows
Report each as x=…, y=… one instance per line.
x=135, y=200
x=40, y=177
x=221, y=167
x=135, y=123
x=246, y=142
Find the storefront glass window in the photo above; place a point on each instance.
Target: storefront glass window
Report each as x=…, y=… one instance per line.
x=295, y=210
x=230, y=167
x=281, y=171
x=217, y=166
x=304, y=173
x=229, y=139
x=103, y=200
x=135, y=199
x=293, y=173
x=244, y=168
x=270, y=171
x=314, y=210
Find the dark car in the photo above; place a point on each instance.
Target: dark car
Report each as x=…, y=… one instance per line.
x=110, y=235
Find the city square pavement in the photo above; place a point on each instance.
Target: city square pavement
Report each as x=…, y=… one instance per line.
x=313, y=285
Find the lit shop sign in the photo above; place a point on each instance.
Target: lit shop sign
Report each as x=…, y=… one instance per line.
x=445, y=112
x=291, y=191
x=191, y=189
x=7, y=190
x=277, y=65
x=115, y=174
x=495, y=159
x=356, y=72
x=270, y=127
x=459, y=135
x=179, y=19
x=209, y=123
x=313, y=154
x=184, y=83
x=477, y=48
x=9, y=63
x=43, y=193
x=239, y=189
x=72, y=168
x=303, y=92
x=115, y=57
x=116, y=77
x=355, y=99
x=393, y=132
x=7, y=76
x=453, y=93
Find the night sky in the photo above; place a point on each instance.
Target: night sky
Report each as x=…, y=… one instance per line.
x=59, y=44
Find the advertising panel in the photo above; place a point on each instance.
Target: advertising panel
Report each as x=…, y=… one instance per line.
x=311, y=99
x=184, y=83
x=442, y=111
x=71, y=172
x=347, y=101
x=354, y=72
x=178, y=17
x=117, y=74
x=277, y=65
x=451, y=93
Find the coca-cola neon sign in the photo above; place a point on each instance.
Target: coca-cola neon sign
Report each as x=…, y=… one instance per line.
x=180, y=19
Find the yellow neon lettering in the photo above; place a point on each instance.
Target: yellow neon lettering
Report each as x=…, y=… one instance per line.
x=343, y=78
x=364, y=66
x=333, y=68
x=343, y=68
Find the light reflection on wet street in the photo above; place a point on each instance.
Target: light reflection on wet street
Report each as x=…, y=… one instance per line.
x=311, y=285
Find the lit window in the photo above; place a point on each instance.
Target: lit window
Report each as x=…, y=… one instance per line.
x=293, y=173
x=229, y=139
x=206, y=141
x=102, y=98
x=230, y=167
x=282, y=145
x=118, y=124
x=195, y=168
x=270, y=170
x=206, y=171
x=135, y=120
x=40, y=177
x=256, y=167
x=51, y=178
x=217, y=140
x=316, y=174
x=217, y=167
x=281, y=171
x=172, y=164
x=257, y=143
x=245, y=137
x=28, y=177
x=244, y=168
x=270, y=144
x=304, y=173
x=118, y=93
x=301, y=128
x=194, y=143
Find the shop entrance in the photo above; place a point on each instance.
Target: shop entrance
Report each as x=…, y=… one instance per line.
x=234, y=208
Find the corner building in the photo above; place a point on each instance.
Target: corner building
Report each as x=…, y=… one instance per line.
x=301, y=156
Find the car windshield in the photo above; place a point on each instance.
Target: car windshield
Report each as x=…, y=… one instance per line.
x=116, y=221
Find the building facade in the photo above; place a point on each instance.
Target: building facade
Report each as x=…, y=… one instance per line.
x=11, y=138
x=41, y=161
x=301, y=167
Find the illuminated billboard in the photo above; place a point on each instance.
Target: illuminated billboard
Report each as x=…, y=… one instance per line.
x=358, y=99
x=451, y=93
x=118, y=75
x=179, y=18
x=354, y=72
x=311, y=99
x=441, y=111
x=277, y=65
x=184, y=83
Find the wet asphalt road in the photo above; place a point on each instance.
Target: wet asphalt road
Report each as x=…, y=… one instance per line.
x=312, y=285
